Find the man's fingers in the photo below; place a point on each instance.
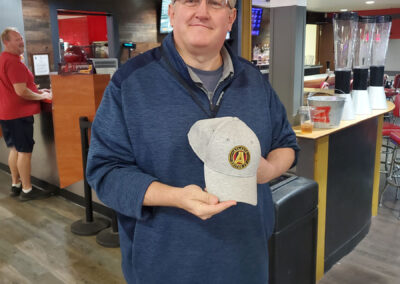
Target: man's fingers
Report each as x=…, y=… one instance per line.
x=208, y=198
x=202, y=203
x=210, y=210
x=223, y=206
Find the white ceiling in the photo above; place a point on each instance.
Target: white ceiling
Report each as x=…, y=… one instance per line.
x=351, y=5
x=336, y=5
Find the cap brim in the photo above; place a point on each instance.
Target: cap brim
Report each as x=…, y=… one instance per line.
x=241, y=189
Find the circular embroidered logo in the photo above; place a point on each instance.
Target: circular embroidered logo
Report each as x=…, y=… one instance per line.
x=239, y=157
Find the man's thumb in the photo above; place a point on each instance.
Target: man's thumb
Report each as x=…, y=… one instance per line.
x=210, y=199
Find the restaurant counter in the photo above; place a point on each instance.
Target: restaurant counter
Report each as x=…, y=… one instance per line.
x=345, y=162
x=56, y=157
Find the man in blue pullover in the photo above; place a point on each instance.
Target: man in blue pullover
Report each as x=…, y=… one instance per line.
x=141, y=164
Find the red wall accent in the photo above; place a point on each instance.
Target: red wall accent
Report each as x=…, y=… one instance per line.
x=395, y=31
x=379, y=12
x=97, y=26
x=74, y=30
x=83, y=30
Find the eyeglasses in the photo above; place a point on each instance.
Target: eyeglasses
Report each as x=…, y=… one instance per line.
x=215, y=4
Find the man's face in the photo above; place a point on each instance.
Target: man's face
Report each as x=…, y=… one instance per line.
x=15, y=43
x=201, y=28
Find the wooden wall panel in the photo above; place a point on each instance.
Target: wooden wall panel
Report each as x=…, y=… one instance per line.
x=36, y=15
x=37, y=29
x=140, y=48
x=325, y=47
x=139, y=22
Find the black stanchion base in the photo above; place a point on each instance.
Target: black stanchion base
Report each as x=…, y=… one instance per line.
x=83, y=228
x=108, y=238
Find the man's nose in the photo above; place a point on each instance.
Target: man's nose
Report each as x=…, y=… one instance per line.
x=202, y=9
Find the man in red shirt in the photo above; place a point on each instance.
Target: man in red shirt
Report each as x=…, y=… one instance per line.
x=19, y=101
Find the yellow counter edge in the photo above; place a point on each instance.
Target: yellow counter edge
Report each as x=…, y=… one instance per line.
x=321, y=177
x=377, y=176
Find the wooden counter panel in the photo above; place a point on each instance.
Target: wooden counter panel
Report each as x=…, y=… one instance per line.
x=73, y=96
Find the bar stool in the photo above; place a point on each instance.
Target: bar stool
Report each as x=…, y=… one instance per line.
x=393, y=177
x=387, y=128
x=392, y=92
x=387, y=148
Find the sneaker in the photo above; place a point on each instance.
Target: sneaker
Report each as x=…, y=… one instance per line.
x=35, y=193
x=15, y=191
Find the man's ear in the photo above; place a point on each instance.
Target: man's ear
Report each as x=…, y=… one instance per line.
x=232, y=17
x=171, y=14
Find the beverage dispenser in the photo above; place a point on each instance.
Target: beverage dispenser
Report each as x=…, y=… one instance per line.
x=361, y=63
x=344, y=30
x=379, y=48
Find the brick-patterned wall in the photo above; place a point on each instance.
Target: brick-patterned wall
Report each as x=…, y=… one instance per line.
x=36, y=15
x=37, y=28
x=138, y=22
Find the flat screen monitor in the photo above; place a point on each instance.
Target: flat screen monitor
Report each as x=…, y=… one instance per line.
x=165, y=25
x=256, y=16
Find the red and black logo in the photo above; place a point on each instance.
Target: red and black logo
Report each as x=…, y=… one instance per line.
x=239, y=157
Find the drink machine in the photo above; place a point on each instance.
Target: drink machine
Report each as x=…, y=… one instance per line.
x=361, y=63
x=380, y=43
x=344, y=29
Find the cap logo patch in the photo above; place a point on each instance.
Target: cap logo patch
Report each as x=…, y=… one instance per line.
x=239, y=157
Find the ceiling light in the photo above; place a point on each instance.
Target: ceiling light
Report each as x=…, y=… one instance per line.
x=369, y=2
x=343, y=10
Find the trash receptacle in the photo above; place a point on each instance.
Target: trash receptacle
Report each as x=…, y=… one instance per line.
x=292, y=246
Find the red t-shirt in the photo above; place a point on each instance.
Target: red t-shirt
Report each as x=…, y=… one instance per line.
x=13, y=71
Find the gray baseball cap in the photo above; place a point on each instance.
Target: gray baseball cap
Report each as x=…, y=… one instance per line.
x=231, y=153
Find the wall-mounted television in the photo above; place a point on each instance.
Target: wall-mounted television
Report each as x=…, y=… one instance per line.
x=256, y=16
x=165, y=25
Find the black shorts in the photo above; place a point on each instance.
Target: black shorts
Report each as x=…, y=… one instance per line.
x=18, y=133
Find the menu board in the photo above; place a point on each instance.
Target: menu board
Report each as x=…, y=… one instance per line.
x=256, y=16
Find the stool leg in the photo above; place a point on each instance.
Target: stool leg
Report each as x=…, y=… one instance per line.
x=386, y=156
x=383, y=192
x=389, y=176
x=397, y=198
x=387, y=149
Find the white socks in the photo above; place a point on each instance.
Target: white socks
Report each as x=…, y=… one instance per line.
x=19, y=185
x=27, y=190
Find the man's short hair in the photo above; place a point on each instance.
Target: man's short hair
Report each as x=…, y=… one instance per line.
x=5, y=35
x=232, y=3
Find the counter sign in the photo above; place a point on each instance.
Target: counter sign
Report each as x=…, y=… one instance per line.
x=41, y=65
